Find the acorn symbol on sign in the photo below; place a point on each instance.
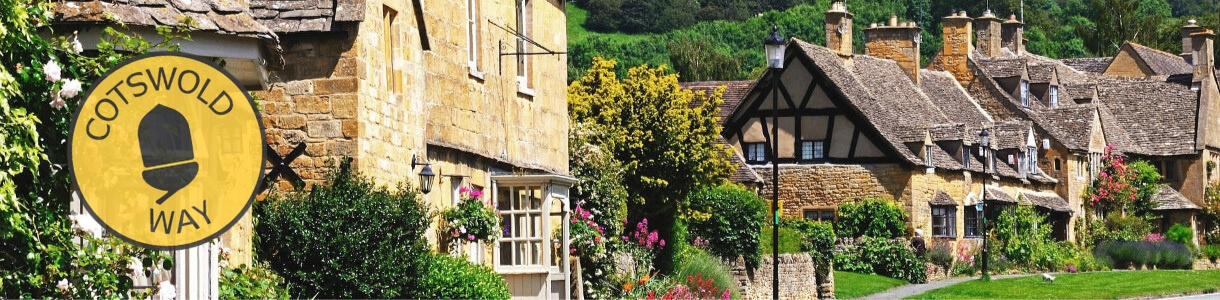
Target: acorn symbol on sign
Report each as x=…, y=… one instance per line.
x=165, y=143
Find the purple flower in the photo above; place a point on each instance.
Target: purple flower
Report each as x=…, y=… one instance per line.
x=470, y=237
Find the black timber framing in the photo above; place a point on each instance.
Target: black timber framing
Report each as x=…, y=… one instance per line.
x=737, y=120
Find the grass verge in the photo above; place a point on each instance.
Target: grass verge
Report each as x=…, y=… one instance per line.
x=789, y=241
x=1098, y=285
x=855, y=285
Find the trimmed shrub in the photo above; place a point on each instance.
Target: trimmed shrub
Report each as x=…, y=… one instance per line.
x=893, y=259
x=447, y=277
x=873, y=217
x=852, y=261
x=719, y=216
x=818, y=238
x=789, y=241
x=1180, y=233
x=349, y=239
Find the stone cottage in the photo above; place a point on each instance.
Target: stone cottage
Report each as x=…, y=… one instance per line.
x=475, y=89
x=878, y=125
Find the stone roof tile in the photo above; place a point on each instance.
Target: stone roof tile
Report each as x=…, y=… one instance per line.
x=942, y=198
x=1050, y=201
x=1092, y=64
x=221, y=16
x=1161, y=62
x=1168, y=198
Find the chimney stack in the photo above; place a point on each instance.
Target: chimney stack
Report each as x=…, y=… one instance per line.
x=899, y=42
x=988, y=30
x=957, y=48
x=1012, y=34
x=1202, y=46
x=1190, y=28
x=838, y=29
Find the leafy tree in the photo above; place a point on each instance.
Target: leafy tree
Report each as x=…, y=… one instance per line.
x=1121, y=20
x=664, y=136
x=603, y=14
x=696, y=60
x=873, y=217
x=726, y=217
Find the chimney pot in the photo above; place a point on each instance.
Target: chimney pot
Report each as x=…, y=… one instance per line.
x=872, y=25
x=1012, y=17
x=1192, y=22
x=961, y=13
x=988, y=14
x=893, y=20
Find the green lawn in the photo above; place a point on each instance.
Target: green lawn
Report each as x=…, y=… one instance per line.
x=1099, y=285
x=855, y=285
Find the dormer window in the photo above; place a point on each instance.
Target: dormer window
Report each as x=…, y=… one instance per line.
x=1025, y=93
x=966, y=157
x=1054, y=96
x=1032, y=159
x=755, y=152
x=927, y=156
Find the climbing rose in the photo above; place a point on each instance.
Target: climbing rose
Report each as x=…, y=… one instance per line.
x=63, y=285
x=167, y=291
x=76, y=46
x=57, y=102
x=86, y=224
x=70, y=89
x=51, y=70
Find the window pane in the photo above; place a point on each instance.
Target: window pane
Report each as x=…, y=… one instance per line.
x=536, y=253
x=828, y=216
x=535, y=197
x=504, y=199
x=507, y=221
x=817, y=149
x=506, y=253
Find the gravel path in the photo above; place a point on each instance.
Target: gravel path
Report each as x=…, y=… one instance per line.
x=916, y=289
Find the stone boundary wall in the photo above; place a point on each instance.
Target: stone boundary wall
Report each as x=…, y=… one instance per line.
x=797, y=274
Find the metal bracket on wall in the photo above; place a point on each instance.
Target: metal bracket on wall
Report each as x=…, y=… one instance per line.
x=514, y=32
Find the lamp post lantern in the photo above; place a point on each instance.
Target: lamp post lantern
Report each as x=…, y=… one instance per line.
x=774, y=45
x=985, y=148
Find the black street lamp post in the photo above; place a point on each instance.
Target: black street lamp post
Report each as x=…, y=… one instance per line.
x=985, y=148
x=775, y=61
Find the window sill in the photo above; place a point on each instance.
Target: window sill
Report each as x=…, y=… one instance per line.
x=539, y=269
x=944, y=236
x=525, y=91
x=475, y=73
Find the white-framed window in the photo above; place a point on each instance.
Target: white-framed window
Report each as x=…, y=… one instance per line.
x=472, y=34
x=1024, y=93
x=944, y=220
x=1054, y=96
x=811, y=150
x=927, y=156
x=966, y=157
x=522, y=217
x=755, y=152
x=973, y=221
x=523, y=28
x=1032, y=159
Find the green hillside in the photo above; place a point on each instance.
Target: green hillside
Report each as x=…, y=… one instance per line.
x=732, y=50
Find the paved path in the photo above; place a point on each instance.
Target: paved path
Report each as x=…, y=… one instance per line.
x=916, y=289
x=1196, y=297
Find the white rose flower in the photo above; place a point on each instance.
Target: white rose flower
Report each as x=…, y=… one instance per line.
x=57, y=102
x=70, y=89
x=51, y=70
x=167, y=291
x=63, y=285
x=86, y=224
x=76, y=46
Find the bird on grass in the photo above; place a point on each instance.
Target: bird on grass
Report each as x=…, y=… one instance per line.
x=1047, y=277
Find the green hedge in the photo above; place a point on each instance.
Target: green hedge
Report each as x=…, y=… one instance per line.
x=817, y=238
x=883, y=257
x=873, y=217
x=446, y=277
x=349, y=239
x=724, y=216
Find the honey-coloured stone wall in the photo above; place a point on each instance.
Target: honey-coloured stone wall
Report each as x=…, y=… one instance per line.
x=826, y=185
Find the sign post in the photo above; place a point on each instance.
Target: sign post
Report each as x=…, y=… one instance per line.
x=166, y=151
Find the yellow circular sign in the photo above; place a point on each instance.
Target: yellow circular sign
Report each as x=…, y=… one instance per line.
x=166, y=150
